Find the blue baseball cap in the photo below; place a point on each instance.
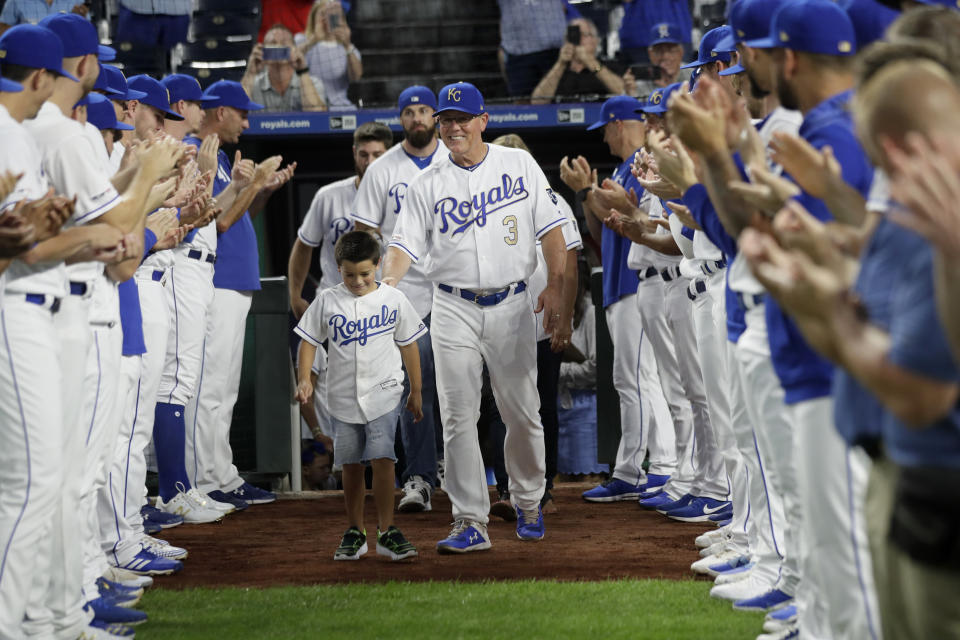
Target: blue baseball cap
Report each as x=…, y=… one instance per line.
x=750, y=19
x=460, y=96
x=35, y=47
x=82, y=102
x=618, y=108
x=666, y=33
x=180, y=86
x=657, y=102
x=118, y=89
x=732, y=71
x=78, y=35
x=870, y=19
x=812, y=26
x=417, y=94
x=708, y=44
x=155, y=95
x=227, y=93
x=727, y=44
x=100, y=113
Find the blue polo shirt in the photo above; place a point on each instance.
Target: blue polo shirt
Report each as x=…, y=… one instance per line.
x=238, y=259
x=804, y=374
x=618, y=279
x=639, y=16
x=701, y=208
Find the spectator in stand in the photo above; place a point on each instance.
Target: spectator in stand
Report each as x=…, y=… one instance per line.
x=154, y=23
x=316, y=464
x=531, y=33
x=290, y=13
x=578, y=72
x=278, y=84
x=33, y=11
x=638, y=18
x=666, y=54
x=330, y=55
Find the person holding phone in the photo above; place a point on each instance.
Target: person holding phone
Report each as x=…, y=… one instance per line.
x=330, y=55
x=577, y=72
x=277, y=72
x=666, y=56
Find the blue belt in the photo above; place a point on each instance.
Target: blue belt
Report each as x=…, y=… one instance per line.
x=749, y=301
x=198, y=255
x=78, y=288
x=646, y=274
x=713, y=266
x=670, y=273
x=43, y=301
x=699, y=286
x=487, y=300
x=157, y=275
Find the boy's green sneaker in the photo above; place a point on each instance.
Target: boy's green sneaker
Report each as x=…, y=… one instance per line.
x=392, y=544
x=352, y=545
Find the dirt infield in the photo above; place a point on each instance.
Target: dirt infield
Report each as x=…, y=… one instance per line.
x=292, y=542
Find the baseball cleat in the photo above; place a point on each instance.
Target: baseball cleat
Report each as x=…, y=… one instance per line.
x=253, y=495
x=656, y=501
x=110, y=588
x=392, y=544
x=128, y=578
x=734, y=575
x=99, y=630
x=654, y=482
x=780, y=619
x=710, y=538
x=699, y=510
x=159, y=519
x=741, y=590
x=719, y=563
x=108, y=612
x=416, y=496
x=163, y=549
x=190, y=505
x=353, y=544
x=227, y=498
x=530, y=524
x=466, y=536
x=772, y=599
x=722, y=515
x=613, y=490
x=146, y=563
x=788, y=633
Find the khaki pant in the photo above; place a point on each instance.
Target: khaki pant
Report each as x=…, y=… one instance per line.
x=917, y=601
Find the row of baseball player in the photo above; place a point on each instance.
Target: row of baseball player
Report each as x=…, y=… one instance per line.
x=799, y=364
x=129, y=262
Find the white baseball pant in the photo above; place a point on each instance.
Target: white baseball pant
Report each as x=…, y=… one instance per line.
x=465, y=336
x=208, y=416
x=775, y=437
x=741, y=532
x=836, y=557
x=31, y=432
x=766, y=508
x=634, y=378
x=717, y=445
x=189, y=292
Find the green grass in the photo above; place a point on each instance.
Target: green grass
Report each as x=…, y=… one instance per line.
x=635, y=609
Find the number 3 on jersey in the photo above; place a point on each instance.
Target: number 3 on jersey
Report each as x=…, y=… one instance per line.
x=510, y=222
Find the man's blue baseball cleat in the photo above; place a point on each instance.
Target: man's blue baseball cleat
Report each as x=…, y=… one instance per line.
x=466, y=536
x=530, y=524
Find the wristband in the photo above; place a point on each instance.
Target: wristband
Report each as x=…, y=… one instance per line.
x=300, y=72
x=583, y=193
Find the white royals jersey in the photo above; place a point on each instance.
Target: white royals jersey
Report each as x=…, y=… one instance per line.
x=71, y=165
x=477, y=227
x=363, y=333
x=20, y=155
x=641, y=256
x=538, y=281
x=739, y=277
x=327, y=219
x=379, y=200
x=96, y=139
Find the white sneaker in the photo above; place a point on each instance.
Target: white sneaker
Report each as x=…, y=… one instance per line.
x=416, y=496
x=787, y=633
x=209, y=503
x=713, y=549
x=733, y=558
x=192, y=510
x=733, y=576
x=127, y=578
x=163, y=548
x=749, y=588
x=95, y=633
x=710, y=537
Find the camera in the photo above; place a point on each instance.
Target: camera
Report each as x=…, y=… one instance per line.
x=271, y=53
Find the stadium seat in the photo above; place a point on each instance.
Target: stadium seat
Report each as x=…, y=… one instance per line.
x=209, y=75
x=228, y=6
x=134, y=58
x=214, y=50
x=223, y=24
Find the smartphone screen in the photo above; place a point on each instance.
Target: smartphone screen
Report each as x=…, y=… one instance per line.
x=334, y=20
x=276, y=53
x=573, y=34
x=645, y=72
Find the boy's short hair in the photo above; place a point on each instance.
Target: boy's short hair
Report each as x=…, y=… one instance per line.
x=357, y=246
x=373, y=132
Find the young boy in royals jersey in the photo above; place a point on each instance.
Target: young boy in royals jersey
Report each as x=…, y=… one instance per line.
x=370, y=329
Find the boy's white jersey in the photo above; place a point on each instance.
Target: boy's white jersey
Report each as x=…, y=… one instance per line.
x=327, y=219
x=365, y=378
x=379, y=200
x=477, y=227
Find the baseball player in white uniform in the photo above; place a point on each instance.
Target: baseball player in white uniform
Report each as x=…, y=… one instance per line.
x=327, y=219
x=379, y=201
x=473, y=221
